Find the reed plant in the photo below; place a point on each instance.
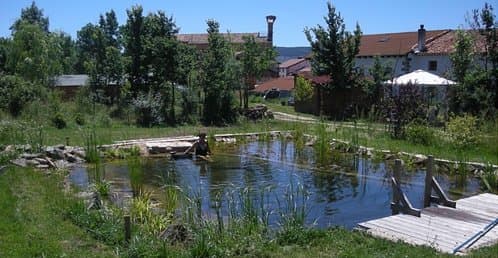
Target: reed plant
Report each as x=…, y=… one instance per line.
x=322, y=144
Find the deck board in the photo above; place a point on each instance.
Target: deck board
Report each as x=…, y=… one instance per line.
x=441, y=227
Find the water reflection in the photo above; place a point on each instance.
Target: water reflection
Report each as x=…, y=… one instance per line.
x=345, y=192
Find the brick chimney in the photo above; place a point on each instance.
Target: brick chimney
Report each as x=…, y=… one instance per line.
x=270, y=19
x=421, y=39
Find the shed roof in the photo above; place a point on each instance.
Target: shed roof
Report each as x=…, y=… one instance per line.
x=282, y=83
x=71, y=80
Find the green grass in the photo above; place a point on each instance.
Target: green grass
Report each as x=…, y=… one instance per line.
x=32, y=224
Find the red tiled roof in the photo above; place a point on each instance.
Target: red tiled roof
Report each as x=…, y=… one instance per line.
x=445, y=44
x=291, y=62
x=282, y=83
x=320, y=80
x=202, y=38
x=389, y=44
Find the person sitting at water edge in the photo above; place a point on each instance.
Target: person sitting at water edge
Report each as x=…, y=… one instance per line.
x=200, y=147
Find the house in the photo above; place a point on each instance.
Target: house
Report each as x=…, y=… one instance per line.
x=406, y=52
x=200, y=40
x=69, y=84
x=282, y=85
x=292, y=66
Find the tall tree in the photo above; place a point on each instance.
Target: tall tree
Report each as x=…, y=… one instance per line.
x=256, y=59
x=333, y=50
x=218, y=93
x=29, y=56
x=4, y=52
x=31, y=15
x=133, y=43
x=463, y=56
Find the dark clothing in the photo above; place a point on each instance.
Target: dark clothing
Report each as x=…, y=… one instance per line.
x=202, y=148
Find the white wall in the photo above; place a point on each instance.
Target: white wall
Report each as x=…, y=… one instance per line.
x=396, y=64
x=443, y=64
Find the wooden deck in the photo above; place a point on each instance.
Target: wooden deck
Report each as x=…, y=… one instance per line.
x=440, y=227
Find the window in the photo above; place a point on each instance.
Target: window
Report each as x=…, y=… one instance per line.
x=432, y=65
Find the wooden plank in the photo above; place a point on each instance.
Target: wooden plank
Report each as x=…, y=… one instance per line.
x=479, y=211
x=415, y=233
x=491, y=207
x=412, y=238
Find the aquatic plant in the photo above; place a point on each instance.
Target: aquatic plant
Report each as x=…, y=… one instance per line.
x=137, y=175
x=489, y=178
x=92, y=154
x=322, y=144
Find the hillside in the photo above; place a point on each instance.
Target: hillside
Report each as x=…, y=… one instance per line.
x=286, y=53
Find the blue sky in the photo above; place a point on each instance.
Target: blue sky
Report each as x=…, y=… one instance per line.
x=249, y=16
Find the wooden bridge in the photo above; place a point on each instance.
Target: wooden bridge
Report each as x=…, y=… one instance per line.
x=447, y=226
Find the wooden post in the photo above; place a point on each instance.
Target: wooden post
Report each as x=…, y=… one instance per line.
x=67, y=140
x=395, y=205
x=428, y=181
x=127, y=228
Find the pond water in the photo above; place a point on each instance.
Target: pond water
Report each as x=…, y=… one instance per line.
x=347, y=191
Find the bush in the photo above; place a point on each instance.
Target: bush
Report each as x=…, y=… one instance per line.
x=420, y=134
x=79, y=119
x=463, y=131
x=147, y=108
x=58, y=121
x=15, y=93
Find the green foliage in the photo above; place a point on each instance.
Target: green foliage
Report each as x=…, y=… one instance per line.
x=103, y=188
x=403, y=108
x=218, y=92
x=256, y=59
x=489, y=178
x=419, y=133
x=16, y=93
x=334, y=50
x=463, y=56
x=463, y=132
x=147, y=109
x=303, y=91
x=380, y=72
x=58, y=121
x=31, y=15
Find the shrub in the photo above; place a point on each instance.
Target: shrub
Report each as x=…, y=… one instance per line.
x=15, y=93
x=147, y=108
x=79, y=119
x=462, y=131
x=58, y=121
x=420, y=134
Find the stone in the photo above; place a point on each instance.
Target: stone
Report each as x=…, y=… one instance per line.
x=419, y=159
x=42, y=161
x=19, y=162
x=42, y=166
x=79, y=153
x=32, y=162
x=71, y=158
x=389, y=156
x=29, y=156
x=60, y=146
x=54, y=153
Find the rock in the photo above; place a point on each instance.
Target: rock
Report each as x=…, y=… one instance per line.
x=19, y=162
x=42, y=161
x=71, y=158
x=9, y=148
x=419, y=159
x=42, y=166
x=29, y=156
x=79, y=153
x=32, y=162
x=61, y=164
x=54, y=153
x=51, y=163
x=60, y=146
x=389, y=156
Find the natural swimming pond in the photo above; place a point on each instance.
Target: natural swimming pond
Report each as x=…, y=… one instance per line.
x=276, y=176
